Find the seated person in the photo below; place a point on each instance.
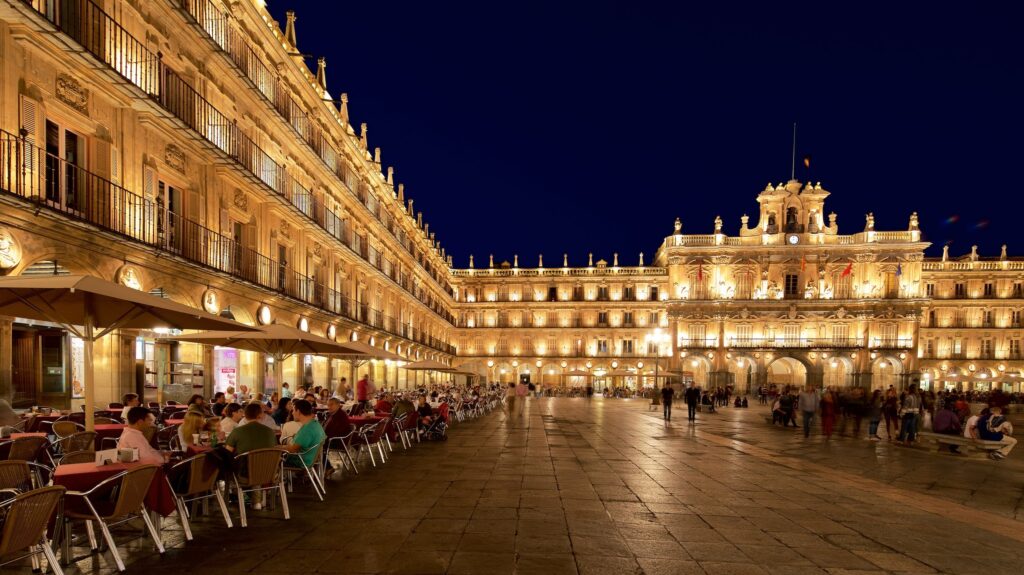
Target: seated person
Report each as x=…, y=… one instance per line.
x=971, y=425
x=744, y=402
x=192, y=426
x=736, y=402
x=133, y=436
x=946, y=422
x=230, y=418
x=249, y=436
x=283, y=411
x=425, y=412
x=197, y=404
x=337, y=424
x=995, y=427
x=219, y=401
x=385, y=404
x=130, y=400
x=309, y=435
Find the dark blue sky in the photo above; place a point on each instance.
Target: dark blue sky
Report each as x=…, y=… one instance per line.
x=548, y=127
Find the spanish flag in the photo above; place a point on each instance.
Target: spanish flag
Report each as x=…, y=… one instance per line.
x=700, y=271
x=803, y=263
x=848, y=270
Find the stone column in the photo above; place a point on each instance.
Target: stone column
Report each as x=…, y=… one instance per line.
x=6, y=358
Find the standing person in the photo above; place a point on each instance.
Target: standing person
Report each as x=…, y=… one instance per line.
x=890, y=410
x=808, y=404
x=363, y=392
x=692, y=397
x=286, y=390
x=829, y=407
x=911, y=409
x=874, y=409
x=667, y=393
x=341, y=392
x=521, y=393
x=510, y=398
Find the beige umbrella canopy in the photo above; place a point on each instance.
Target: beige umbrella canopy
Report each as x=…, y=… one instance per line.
x=90, y=308
x=276, y=340
x=367, y=351
x=428, y=365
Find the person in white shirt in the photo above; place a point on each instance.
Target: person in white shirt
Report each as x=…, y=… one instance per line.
x=130, y=400
x=132, y=437
x=265, y=419
x=288, y=431
x=229, y=420
x=971, y=427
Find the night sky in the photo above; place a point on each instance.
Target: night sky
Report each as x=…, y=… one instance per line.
x=548, y=127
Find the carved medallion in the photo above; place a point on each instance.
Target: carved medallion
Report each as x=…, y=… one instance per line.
x=175, y=157
x=129, y=276
x=10, y=250
x=241, y=200
x=286, y=230
x=71, y=92
x=211, y=302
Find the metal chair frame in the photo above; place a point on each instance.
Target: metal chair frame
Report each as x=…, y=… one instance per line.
x=347, y=459
x=123, y=512
x=200, y=490
x=256, y=484
x=315, y=472
x=16, y=536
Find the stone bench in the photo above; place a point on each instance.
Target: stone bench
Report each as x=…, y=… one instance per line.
x=973, y=445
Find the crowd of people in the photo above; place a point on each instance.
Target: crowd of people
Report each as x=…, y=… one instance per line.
x=904, y=413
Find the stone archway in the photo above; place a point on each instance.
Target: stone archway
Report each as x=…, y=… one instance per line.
x=786, y=371
x=886, y=371
x=744, y=373
x=837, y=371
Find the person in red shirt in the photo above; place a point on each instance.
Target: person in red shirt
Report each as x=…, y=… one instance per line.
x=384, y=404
x=362, y=391
x=337, y=424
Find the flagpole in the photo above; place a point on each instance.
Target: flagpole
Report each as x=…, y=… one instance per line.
x=792, y=167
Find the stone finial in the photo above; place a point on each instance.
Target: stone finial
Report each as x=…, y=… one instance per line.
x=565, y=260
x=1002, y=253
x=376, y=155
x=913, y=221
x=362, y=136
x=590, y=259
x=391, y=175
x=945, y=253
x=615, y=259
x=470, y=261
x=641, y=259
x=678, y=226
x=974, y=253
x=744, y=220
x=449, y=261
x=718, y=224
x=289, y=29
x=343, y=108
x=401, y=193
x=515, y=260
x=321, y=73
x=540, y=260
x=410, y=207
x=419, y=219
x=426, y=229
x=490, y=262
x=832, y=220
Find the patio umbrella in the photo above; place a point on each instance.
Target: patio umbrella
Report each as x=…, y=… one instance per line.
x=367, y=351
x=428, y=365
x=276, y=340
x=91, y=307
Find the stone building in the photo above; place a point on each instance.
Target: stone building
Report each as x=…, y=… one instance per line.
x=186, y=149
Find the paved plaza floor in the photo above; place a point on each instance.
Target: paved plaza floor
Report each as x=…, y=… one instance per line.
x=605, y=486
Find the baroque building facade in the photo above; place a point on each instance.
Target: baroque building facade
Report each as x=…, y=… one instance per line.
x=184, y=148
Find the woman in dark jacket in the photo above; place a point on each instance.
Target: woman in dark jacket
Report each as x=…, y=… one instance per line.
x=280, y=415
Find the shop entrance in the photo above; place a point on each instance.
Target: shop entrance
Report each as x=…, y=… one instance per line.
x=40, y=367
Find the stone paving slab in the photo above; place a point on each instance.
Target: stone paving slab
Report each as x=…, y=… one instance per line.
x=604, y=486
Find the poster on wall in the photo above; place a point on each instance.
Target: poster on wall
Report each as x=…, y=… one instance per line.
x=227, y=378
x=77, y=368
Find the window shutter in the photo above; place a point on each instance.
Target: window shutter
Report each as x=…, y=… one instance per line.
x=149, y=182
x=30, y=123
x=115, y=165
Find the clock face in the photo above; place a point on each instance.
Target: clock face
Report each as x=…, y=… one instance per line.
x=794, y=239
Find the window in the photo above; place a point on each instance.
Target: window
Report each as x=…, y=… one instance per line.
x=652, y=318
x=1014, y=349
x=1015, y=318
x=929, y=290
x=654, y=293
x=282, y=266
x=744, y=286
x=1018, y=290
x=986, y=348
x=602, y=346
x=792, y=285
x=960, y=290
x=602, y=318
x=65, y=158
x=628, y=294
x=931, y=318
x=552, y=293
x=577, y=293
x=602, y=293
x=840, y=333
x=889, y=333
x=792, y=334
x=744, y=333
x=627, y=318
x=990, y=289
x=987, y=318
x=929, y=348
x=958, y=346
x=627, y=347
x=696, y=333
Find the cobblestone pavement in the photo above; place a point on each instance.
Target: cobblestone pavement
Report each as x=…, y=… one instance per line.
x=605, y=486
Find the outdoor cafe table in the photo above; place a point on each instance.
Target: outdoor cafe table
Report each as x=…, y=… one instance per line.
x=360, y=421
x=85, y=476
x=37, y=422
x=105, y=430
x=174, y=421
x=33, y=434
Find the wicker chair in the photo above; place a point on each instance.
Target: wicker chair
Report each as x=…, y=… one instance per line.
x=164, y=436
x=81, y=441
x=104, y=420
x=65, y=427
x=262, y=468
x=28, y=448
x=113, y=501
x=24, y=527
x=195, y=479
x=16, y=476
x=296, y=463
x=85, y=456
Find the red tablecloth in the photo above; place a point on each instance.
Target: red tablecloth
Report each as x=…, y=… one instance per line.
x=37, y=423
x=34, y=434
x=175, y=421
x=359, y=421
x=85, y=476
x=104, y=430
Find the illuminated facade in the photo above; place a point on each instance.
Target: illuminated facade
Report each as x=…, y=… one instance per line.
x=185, y=149
x=788, y=300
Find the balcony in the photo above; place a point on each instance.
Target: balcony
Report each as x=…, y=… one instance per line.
x=103, y=37
x=897, y=343
x=48, y=183
x=795, y=343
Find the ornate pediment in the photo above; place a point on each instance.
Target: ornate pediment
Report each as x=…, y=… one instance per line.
x=175, y=157
x=71, y=92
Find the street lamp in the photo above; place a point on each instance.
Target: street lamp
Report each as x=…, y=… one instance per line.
x=657, y=337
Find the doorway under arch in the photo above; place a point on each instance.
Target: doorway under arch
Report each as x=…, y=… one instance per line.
x=786, y=371
x=885, y=372
x=837, y=371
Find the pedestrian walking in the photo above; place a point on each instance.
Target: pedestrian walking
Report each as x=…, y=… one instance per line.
x=808, y=404
x=910, y=409
x=692, y=397
x=667, y=393
x=829, y=407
